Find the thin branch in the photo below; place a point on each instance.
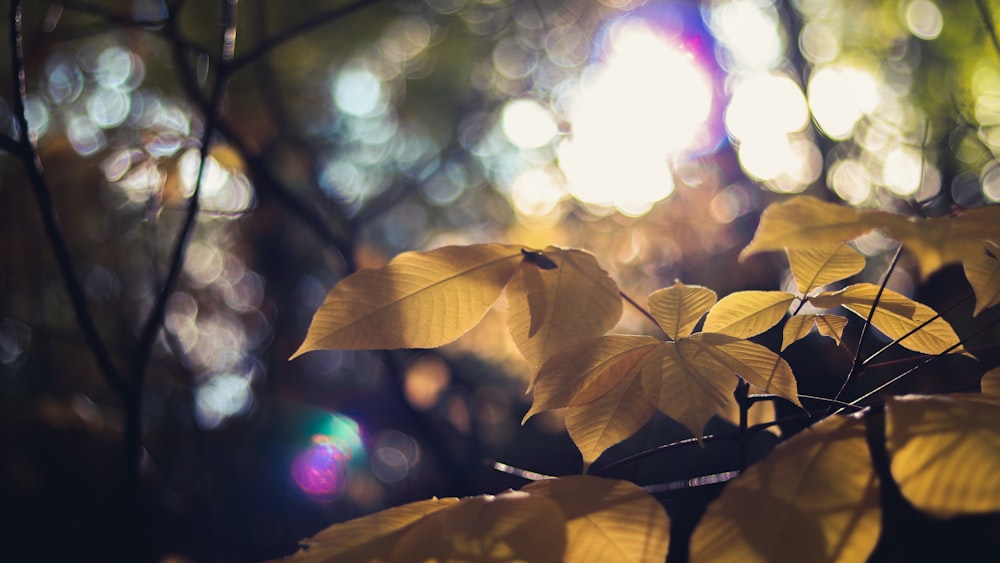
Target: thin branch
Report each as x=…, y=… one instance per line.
x=660, y=449
x=297, y=30
x=918, y=328
x=638, y=307
x=50, y=217
x=522, y=473
x=713, y=479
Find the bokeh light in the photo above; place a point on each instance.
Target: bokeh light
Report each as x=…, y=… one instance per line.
x=322, y=469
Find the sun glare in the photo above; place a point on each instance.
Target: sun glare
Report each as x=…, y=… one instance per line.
x=645, y=103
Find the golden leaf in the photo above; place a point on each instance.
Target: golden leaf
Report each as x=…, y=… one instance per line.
x=798, y=327
x=896, y=316
x=942, y=240
x=990, y=383
x=551, y=308
x=369, y=538
x=945, y=452
x=692, y=379
x=748, y=313
x=513, y=526
x=679, y=307
x=814, y=498
x=806, y=222
x=983, y=272
x=610, y=418
x=816, y=267
x=594, y=366
x=418, y=300
x=608, y=520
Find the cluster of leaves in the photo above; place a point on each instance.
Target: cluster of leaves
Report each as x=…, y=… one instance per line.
x=821, y=485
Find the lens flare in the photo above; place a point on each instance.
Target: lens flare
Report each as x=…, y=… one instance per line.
x=322, y=471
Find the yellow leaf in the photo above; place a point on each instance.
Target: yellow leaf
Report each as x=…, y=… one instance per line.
x=608, y=520
x=679, y=307
x=945, y=452
x=748, y=313
x=610, y=418
x=816, y=267
x=798, y=327
x=806, y=222
x=983, y=272
x=895, y=316
x=692, y=379
x=594, y=366
x=814, y=498
x=942, y=240
x=553, y=307
x=990, y=383
x=369, y=538
x=513, y=526
x=418, y=300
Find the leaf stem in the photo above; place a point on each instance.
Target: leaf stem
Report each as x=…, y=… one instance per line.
x=638, y=307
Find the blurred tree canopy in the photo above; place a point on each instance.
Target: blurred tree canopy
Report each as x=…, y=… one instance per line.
x=184, y=181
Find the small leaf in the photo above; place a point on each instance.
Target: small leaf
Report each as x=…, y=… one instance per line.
x=513, y=526
x=893, y=317
x=596, y=365
x=990, y=383
x=610, y=418
x=814, y=498
x=945, y=452
x=983, y=272
x=368, y=538
x=607, y=520
x=816, y=267
x=748, y=313
x=798, y=327
x=806, y=222
x=692, y=379
x=679, y=307
x=549, y=309
x=418, y=300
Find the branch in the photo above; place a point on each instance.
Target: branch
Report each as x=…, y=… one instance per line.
x=25, y=151
x=296, y=30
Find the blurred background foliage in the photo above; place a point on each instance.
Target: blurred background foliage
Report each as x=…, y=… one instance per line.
x=650, y=133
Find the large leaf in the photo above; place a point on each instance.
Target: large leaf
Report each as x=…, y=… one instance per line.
x=806, y=222
x=816, y=267
x=608, y=520
x=513, y=526
x=748, y=313
x=945, y=452
x=596, y=365
x=896, y=316
x=679, y=307
x=369, y=538
x=814, y=498
x=692, y=379
x=550, y=307
x=798, y=326
x=983, y=272
x=990, y=382
x=943, y=240
x=418, y=300
x=610, y=418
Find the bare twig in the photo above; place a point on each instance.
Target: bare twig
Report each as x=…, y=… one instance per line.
x=25, y=151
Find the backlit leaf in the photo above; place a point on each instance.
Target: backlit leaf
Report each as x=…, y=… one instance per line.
x=418, y=300
x=607, y=520
x=806, y=222
x=594, y=366
x=814, y=498
x=748, y=313
x=551, y=308
x=798, y=327
x=895, y=316
x=990, y=383
x=983, y=272
x=610, y=418
x=369, y=538
x=942, y=240
x=816, y=267
x=679, y=307
x=513, y=526
x=945, y=452
x=692, y=379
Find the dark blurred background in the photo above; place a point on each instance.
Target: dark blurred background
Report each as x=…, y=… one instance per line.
x=649, y=133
